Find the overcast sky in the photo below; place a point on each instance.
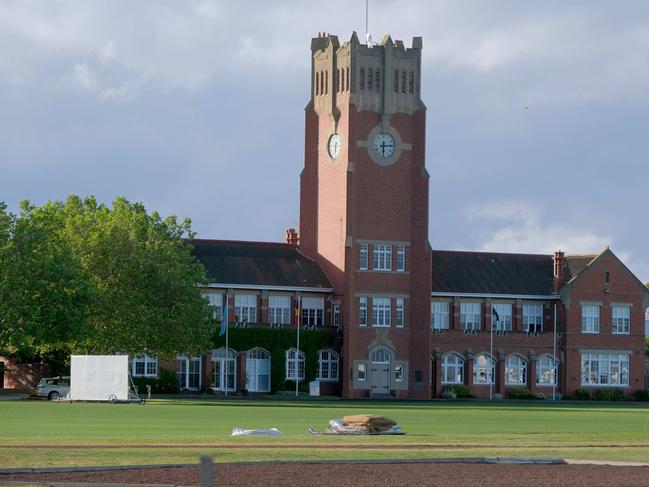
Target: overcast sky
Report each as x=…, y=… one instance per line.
x=538, y=120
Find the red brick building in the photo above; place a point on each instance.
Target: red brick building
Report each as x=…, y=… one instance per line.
x=413, y=321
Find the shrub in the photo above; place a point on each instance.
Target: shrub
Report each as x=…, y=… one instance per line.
x=457, y=391
x=642, y=395
x=609, y=395
x=540, y=395
x=521, y=393
x=497, y=397
x=165, y=383
x=583, y=395
x=556, y=397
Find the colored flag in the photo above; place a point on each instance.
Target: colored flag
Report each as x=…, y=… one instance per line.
x=224, y=318
x=495, y=313
x=296, y=319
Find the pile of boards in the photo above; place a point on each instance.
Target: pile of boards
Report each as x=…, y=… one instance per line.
x=361, y=424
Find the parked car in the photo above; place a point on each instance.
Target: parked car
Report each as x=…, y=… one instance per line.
x=53, y=387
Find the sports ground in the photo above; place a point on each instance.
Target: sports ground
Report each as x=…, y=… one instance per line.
x=178, y=431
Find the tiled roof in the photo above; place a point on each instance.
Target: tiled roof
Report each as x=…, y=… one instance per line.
x=491, y=273
x=576, y=264
x=258, y=263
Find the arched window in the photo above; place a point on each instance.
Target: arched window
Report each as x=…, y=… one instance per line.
x=484, y=369
x=224, y=369
x=547, y=372
x=515, y=371
x=452, y=369
x=294, y=365
x=258, y=370
x=381, y=356
x=327, y=365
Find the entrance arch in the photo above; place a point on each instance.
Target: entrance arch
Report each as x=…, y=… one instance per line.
x=380, y=361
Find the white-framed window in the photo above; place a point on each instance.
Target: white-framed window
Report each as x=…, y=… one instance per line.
x=245, y=308
x=400, y=312
x=484, y=369
x=589, y=318
x=504, y=311
x=515, y=371
x=312, y=311
x=533, y=318
x=621, y=320
x=215, y=300
x=381, y=356
x=382, y=258
x=258, y=370
x=188, y=372
x=294, y=365
x=452, y=369
x=335, y=314
x=361, y=371
x=470, y=316
x=362, y=311
x=547, y=372
x=398, y=373
x=363, y=257
x=605, y=369
x=381, y=311
x=401, y=258
x=439, y=315
x=327, y=365
x=144, y=366
x=279, y=310
x=224, y=369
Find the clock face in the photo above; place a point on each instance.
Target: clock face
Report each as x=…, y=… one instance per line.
x=383, y=145
x=335, y=145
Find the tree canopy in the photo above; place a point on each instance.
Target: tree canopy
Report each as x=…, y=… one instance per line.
x=83, y=277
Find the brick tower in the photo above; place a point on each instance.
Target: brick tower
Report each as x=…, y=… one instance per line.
x=364, y=209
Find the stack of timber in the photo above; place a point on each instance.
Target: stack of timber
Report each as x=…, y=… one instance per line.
x=371, y=424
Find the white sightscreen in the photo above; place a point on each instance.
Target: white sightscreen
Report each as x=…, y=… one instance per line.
x=98, y=377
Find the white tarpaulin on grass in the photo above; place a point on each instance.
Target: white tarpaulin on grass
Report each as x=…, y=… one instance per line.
x=99, y=377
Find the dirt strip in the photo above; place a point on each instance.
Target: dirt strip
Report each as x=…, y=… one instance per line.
x=342, y=475
x=315, y=446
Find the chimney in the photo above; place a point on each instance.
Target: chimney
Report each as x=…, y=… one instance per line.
x=292, y=237
x=559, y=261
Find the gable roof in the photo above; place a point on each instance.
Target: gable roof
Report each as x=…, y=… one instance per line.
x=491, y=273
x=590, y=262
x=258, y=264
x=577, y=263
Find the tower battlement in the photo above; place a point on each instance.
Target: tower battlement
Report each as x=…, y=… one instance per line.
x=383, y=77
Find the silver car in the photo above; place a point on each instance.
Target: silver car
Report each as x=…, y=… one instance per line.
x=53, y=388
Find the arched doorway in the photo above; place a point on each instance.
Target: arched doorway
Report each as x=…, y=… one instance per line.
x=380, y=359
x=258, y=370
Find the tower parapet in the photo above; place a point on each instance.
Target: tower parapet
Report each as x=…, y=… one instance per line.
x=383, y=78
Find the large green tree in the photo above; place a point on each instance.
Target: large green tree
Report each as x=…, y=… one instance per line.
x=43, y=293
x=115, y=278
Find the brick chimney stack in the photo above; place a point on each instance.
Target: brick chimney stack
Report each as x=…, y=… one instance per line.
x=292, y=237
x=559, y=261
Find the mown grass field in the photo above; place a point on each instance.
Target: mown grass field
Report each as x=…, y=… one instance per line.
x=40, y=433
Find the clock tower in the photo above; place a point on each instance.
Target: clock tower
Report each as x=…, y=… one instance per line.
x=364, y=209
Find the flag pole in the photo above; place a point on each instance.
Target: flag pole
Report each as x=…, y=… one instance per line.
x=227, y=329
x=491, y=352
x=297, y=354
x=554, y=355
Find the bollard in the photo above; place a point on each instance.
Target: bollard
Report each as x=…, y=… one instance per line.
x=207, y=471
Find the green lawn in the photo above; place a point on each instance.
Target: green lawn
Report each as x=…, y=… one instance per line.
x=186, y=428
